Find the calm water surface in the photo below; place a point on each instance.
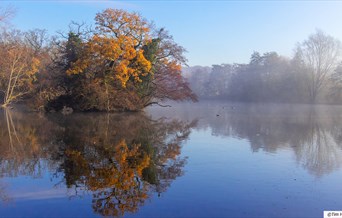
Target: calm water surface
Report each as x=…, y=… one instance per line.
x=209, y=159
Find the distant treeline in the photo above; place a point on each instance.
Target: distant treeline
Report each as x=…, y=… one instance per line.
x=313, y=75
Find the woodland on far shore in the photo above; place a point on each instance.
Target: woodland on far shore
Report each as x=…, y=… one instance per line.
x=313, y=75
x=123, y=64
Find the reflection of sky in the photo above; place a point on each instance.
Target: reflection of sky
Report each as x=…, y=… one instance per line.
x=40, y=197
x=43, y=196
x=26, y=188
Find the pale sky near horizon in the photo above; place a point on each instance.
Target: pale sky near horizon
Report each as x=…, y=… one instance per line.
x=213, y=32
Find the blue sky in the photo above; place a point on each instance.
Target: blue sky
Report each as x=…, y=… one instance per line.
x=213, y=32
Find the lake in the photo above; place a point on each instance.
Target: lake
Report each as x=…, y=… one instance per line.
x=208, y=159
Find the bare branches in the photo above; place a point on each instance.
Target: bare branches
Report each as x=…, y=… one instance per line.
x=6, y=14
x=18, y=66
x=82, y=30
x=319, y=55
x=36, y=38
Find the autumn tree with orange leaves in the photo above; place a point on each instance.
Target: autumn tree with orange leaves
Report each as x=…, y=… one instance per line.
x=115, y=182
x=123, y=64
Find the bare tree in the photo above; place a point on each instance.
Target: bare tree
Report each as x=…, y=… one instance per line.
x=319, y=56
x=36, y=38
x=18, y=67
x=6, y=14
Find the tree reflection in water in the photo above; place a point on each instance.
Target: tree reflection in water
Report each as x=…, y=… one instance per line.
x=23, y=144
x=24, y=147
x=312, y=132
x=121, y=159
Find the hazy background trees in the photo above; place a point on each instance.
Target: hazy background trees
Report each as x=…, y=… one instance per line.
x=319, y=56
x=313, y=75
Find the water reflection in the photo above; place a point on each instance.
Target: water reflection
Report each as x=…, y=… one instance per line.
x=120, y=159
x=23, y=144
x=313, y=133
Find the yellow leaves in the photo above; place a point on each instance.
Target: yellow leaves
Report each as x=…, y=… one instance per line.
x=123, y=154
x=35, y=64
x=31, y=73
x=130, y=53
x=78, y=67
x=106, y=48
x=174, y=66
x=122, y=23
x=128, y=162
x=121, y=151
x=135, y=68
x=145, y=162
x=78, y=159
x=109, y=55
x=122, y=73
x=143, y=62
x=115, y=51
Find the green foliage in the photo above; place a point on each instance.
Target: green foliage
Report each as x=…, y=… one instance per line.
x=72, y=49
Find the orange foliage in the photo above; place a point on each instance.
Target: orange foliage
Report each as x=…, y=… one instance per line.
x=116, y=179
x=116, y=48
